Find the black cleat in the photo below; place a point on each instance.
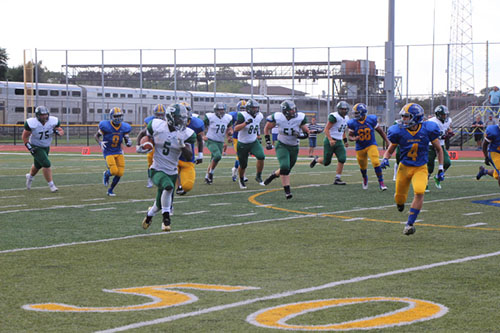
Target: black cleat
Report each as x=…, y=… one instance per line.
x=288, y=196
x=166, y=222
x=409, y=230
x=313, y=162
x=270, y=179
x=180, y=191
x=401, y=207
x=338, y=181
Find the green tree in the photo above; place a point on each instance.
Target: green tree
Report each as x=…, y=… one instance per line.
x=3, y=63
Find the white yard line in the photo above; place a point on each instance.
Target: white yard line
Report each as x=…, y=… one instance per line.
x=51, y=198
x=475, y=213
x=242, y=215
x=475, y=225
x=11, y=206
x=221, y=204
x=355, y=219
x=194, y=213
x=99, y=209
x=11, y=196
x=297, y=292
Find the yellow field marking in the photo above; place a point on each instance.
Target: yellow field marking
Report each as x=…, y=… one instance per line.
x=253, y=200
x=417, y=310
x=160, y=295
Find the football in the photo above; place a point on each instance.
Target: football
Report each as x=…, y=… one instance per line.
x=147, y=142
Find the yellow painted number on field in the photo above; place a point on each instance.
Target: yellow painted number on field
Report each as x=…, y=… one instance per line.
x=415, y=311
x=364, y=134
x=162, y=297
x=413, y=153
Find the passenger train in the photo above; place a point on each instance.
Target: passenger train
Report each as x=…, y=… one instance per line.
x=91, y=104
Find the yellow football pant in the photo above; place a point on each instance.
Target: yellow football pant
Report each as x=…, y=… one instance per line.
x=235, y=146
x=363, y=155
x=116, y=164
x=187, y=174
x=150, y=157
x=417, y=176
x=495, y=158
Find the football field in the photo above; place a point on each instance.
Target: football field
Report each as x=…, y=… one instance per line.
x=332, y=258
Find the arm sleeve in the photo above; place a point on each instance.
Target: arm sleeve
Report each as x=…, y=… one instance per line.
x=241, y=119
x=191, y=139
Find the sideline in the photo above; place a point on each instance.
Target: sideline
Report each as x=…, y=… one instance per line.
x=296, y=292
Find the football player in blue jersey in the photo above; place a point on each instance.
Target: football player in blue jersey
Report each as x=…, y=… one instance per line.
x=113, y=132
x=158, y=113
x=362, y=130
x=186, y=169
x=491, y=152
x=413, y=136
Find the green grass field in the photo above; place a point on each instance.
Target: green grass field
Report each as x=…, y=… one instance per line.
x=331, y=255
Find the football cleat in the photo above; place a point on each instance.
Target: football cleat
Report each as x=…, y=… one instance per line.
x=110, y=193
x=150, y=183
x=401, y=207
x=338, y=181
x=437, y=182
x=269, y=179
x=180, y=191
x=482, y=172
x=53, y=188
x=241, y=182
x=105, y=178
x=409, y=230
x=382, y=186
x=365, y=183
x=208, y=181
x=427, y=188
x=288, y=196
x=245, y=179
x=165, y=226
x=234, y=173
x=147, y=222
x=29, y=180
x=313, y=162
x=258, y=179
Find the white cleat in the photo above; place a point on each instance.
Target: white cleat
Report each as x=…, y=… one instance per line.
x=242, y=184
x=409, y=230
x=29, y=180
x=365, y=183
x=150, y=183
x=53, y=188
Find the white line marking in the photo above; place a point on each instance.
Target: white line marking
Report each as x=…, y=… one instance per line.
x=11, y=196
x=141, y=211
x=154, y=234
x=241, y=215
x=296, y=292
x=220, y=204
x=194, y=213
x=475, y=213
x=94, y=199
x=313, y=207
x=355, y=219
x=51, y=198
x=8, y=206
x=99, y=209
x=475, y=225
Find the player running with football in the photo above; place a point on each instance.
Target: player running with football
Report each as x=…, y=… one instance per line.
x=218, y=126
x=290, y=123
x=113, y=133
x=335, y=141
x=37, y=136
x=171, y=138
x=248, y=128
x=413, y=136
x=362, y=130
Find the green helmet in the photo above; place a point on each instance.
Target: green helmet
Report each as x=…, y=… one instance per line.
x=41, y=110
x=252, y=107
x=219, y=109
x=343, y=108
x=441, y=112
x=289, y=109
x=177, y=116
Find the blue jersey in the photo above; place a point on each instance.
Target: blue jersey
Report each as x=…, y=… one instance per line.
x=113, y=136
x=148, y=119
x=414, y=145
x=234, y=114
x=198, y=126
x=365, y=130
x=493, y=137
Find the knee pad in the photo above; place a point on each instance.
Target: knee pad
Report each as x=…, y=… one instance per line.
x=120, y=172
x=284, y=172
x=113, y=170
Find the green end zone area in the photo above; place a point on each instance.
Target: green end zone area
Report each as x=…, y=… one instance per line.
x=77, y=247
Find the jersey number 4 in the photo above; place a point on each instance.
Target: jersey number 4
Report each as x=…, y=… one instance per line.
x=413, y=153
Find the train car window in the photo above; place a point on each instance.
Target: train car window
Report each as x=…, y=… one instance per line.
x=43, y=92
x=63, y=93
x=130, y=111
x=54, y=110
x=196, y=99
x=54, y=93
x=181, y=98
x=169, y=98
x=19, y=109
x=122, y=95
x=99, y=94
x=19, y=91
x=143, y=96
x=76, y=94
x=75, y=110
x=99, y=110
x=130, y=96
x=155, y=96
x=63, y=110
x=211, y=99
x=91, y=110
x=107, y=95
x=162, y=97
x=115, y=95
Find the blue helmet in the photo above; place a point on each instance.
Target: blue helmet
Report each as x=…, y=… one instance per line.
x=116, y=116
x=411, y=114
x=159, y=111
x=360, y=110
x=240, y=107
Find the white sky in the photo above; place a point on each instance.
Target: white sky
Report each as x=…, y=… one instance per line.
x=150, y=24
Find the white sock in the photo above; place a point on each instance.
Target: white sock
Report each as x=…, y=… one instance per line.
x=153, y=210
x=51, y=183
x=166, y=201
x=337, y=176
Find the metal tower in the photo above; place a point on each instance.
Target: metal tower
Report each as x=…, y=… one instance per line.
x=461, y=48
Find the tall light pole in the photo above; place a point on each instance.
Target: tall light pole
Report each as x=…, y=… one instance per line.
x=389, y=67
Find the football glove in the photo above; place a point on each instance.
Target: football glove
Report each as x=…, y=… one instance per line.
x=128, y=142
x=103, y=144
x=385, y=163
x=56, y=132
x=269, y=146
x=487, y=160
x=30, y=148
x=140, y=149
x=440, y=175
x=302, y=136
